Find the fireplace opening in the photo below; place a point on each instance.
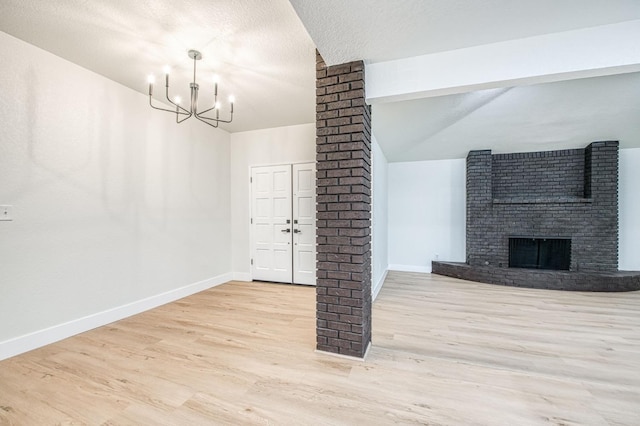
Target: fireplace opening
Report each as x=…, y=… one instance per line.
x=540, y=253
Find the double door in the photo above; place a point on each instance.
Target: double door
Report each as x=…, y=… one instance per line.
x=283, y=215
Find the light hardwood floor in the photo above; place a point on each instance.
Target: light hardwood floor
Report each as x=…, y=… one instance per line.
x=445, y=352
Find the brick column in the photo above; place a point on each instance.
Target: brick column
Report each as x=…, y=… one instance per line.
x=479, y=202
x=601, y=168
x=343, y=146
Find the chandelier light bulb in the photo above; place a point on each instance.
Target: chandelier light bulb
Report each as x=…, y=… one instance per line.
x=151, y=78
x=216, y=78
x=217, y=105
x=166, y=69
x=232, y=99
x=177, y=100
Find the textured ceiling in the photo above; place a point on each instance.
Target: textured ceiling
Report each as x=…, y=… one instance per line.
x=529, y=118
x=382, y=30
x=259, y=48
x=265, y=57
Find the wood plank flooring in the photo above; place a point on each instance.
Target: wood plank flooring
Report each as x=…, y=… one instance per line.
x=445, y=352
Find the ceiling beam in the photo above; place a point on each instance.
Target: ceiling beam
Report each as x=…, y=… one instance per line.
x=589, y=52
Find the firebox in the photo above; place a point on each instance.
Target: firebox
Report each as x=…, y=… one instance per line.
x=540, y=253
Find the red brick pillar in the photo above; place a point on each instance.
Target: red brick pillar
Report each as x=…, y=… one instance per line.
x=343, y=146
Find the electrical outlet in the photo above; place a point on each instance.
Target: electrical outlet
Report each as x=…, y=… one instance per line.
x=6, y=212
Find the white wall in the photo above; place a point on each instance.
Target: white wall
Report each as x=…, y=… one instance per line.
x=380, y=218
x=629, y=210
x=426, y=213
x=116, y=208
x=280, y=145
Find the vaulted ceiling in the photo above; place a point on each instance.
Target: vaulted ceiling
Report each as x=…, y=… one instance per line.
x=260, y=49
x=510, y=118
x=264, y=53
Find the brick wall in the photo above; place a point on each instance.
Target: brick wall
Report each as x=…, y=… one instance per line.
x=571, y=193
x=539, y=174
x=343, y=146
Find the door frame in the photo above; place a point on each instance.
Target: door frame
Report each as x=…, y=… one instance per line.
x=250, y=204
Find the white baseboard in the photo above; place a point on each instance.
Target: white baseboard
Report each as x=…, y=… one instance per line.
x=37, y=339
x=410, y=268
x=242, y=276
x=378, y=286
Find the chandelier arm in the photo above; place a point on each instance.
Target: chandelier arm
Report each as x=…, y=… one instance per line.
x=207, y=110
x=165, y=109
x=206, y=122
x=214, y=120
x=217, y=120
x=158, y=108
x=184, y=119
x=182, y=111
x=178, y=113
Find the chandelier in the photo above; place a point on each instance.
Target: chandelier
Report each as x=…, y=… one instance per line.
x=183, y=114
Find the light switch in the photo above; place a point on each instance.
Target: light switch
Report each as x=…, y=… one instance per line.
x=6, y=212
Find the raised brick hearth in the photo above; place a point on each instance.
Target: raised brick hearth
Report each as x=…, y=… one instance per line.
x=536, y=278
x=560, y=195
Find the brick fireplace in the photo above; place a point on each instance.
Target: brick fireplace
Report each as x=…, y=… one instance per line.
x=561, y=207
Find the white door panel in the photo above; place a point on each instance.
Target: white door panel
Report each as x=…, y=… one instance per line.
x=304, y=224
x=271, y=222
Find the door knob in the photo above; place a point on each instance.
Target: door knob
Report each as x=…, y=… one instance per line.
x=297, y=231
x=285, y=230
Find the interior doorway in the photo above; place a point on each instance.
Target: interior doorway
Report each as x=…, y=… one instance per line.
x=283, y=216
